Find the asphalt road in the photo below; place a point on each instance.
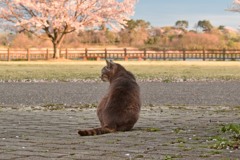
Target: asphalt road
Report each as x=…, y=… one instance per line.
x=156, y=93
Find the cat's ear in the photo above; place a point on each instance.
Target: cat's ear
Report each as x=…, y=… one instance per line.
x=109, y=63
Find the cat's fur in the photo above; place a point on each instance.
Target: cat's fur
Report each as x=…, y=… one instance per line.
x=119, y=109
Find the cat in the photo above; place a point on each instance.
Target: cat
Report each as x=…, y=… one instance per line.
x=119, y=109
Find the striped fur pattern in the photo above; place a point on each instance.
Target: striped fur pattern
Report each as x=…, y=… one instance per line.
x=120, y=107
x=95, y=131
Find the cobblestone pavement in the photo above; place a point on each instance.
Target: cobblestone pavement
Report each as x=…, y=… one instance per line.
x=163, y=133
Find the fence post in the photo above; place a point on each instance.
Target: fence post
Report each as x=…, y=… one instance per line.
x=204, y=54
x=184, y=54
x=224, y=54
x=105, y=54
x=164, y=54
x=86, y=54
x=145, y=54
x=28, y=54
x=8, y=54
x=125, y=54
x=60, y=53
x=66, y=53
x=47, y=56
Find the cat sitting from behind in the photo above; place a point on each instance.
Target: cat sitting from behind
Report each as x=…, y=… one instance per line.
x=119, y=109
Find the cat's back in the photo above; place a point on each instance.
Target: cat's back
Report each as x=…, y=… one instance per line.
x=125, y=82
x=125, y=89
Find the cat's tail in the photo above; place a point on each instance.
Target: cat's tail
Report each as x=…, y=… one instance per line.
x=95, y=131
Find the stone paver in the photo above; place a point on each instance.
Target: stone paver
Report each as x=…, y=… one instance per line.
x=161, y=133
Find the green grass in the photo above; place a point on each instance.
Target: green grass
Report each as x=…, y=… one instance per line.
x=78, y=70
x=48, y=71
x=152, y=129
x=172, y=71
x=229, y=137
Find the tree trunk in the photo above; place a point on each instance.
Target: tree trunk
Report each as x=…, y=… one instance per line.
x=56, y=44
x=55, y=51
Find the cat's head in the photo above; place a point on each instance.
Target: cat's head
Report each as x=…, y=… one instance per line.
x=109, y=70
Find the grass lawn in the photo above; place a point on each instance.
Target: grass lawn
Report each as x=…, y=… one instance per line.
x=78, y=70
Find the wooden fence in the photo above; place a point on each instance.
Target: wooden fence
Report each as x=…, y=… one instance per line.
x=31, y=54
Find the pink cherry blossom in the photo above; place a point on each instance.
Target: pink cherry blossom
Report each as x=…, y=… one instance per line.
x=56, y=18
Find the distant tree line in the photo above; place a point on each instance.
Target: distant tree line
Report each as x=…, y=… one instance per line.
x=139, y=34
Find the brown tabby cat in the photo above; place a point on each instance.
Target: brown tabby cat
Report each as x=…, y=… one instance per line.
x=119, y=109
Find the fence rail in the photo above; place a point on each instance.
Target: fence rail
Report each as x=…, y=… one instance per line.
x=31, y=54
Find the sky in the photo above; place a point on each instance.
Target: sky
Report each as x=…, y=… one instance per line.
x=167, y=12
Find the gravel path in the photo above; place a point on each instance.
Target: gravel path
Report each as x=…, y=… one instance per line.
x=156, y=93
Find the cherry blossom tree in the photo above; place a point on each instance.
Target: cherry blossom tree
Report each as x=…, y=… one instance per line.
x=56, y=18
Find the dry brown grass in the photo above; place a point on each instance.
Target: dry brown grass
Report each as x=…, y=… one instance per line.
x=163, y=70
